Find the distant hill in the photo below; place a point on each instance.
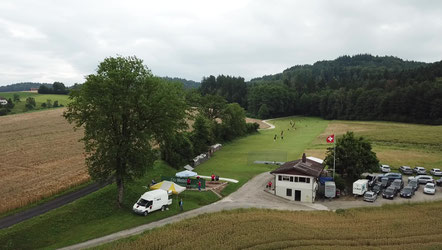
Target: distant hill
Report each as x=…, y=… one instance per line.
x=22, y=86
x=188, y=84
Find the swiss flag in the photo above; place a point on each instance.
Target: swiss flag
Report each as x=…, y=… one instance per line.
x=330, y=138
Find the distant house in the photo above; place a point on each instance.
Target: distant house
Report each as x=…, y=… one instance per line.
x=298, y=180
x=3, y=101
x=33, y=90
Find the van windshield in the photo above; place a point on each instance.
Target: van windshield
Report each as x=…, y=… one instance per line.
x=144, y=203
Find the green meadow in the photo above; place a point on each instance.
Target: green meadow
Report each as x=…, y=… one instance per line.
x=39, y=99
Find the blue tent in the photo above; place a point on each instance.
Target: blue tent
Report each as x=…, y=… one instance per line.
x=185, y=174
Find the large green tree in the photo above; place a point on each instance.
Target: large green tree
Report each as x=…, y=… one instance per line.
x=125, y=111
x=353, y=157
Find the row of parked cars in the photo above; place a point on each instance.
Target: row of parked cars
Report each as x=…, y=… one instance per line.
x=391, y=184
x=406, y=170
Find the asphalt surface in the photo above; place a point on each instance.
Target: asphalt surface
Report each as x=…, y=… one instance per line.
x=48, y=206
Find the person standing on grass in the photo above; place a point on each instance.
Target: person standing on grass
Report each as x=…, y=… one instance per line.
x=270, y=185
x=213, y=177
x=199, y=186
x=188, y=182
x=181, y=204
x=282, y=134
x=274, y=138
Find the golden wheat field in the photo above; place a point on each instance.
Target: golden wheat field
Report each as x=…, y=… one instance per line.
x=39, y=156
x=408, y=226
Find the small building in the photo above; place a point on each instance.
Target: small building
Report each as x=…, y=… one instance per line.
x=298, y=180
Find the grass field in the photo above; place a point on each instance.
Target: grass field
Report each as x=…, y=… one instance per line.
x=395, y=144
x=95, y=215
x=39, y=99
x=408, y=226
x=40, y=156
x=233, y=161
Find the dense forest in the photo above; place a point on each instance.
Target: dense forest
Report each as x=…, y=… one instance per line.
x=360, y=87
x=188, y=84
x=23, y=86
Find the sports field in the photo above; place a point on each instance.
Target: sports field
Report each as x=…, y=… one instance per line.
x=39, y=99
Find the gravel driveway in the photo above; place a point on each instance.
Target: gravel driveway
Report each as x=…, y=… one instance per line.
x=252, y=195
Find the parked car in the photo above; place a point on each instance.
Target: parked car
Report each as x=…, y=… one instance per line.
x=376, y=188
x=398, y=184
x=389, y=193
x=384, y=182
x=436, y=172
x=370, y=196
x=153, y=200
x=393, y=176
x=414, y=183
x=419, y=170
x=430, y=188
x=385, y=169
x=423, y=179
x=439, y=182
x=371, y=179
x=406, y=170
x=407, y=192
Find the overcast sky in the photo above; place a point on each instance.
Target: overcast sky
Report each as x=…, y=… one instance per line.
x=47, y=41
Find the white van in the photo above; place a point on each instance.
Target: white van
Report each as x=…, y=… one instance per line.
x=152, y=201
x=360, y=187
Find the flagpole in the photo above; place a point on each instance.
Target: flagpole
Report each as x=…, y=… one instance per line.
x=334, y=159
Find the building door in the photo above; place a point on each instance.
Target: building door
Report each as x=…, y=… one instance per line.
x=297, y=195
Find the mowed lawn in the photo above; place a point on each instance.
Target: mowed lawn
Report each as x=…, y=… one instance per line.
x=39, y=99
x=407, y=226
x=395, y=144
x=235, y=160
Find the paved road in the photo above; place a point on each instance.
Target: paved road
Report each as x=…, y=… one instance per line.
x=43, y=208
x=250, y=195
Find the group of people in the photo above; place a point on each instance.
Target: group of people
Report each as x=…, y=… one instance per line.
x=199, y=183
x=276, y=137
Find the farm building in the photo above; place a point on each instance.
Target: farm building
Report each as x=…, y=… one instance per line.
x=298, y=180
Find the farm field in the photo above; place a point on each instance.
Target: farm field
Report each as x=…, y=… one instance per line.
x=39, y=99
x=395, y=144
x=382, y=227
x=40, y=156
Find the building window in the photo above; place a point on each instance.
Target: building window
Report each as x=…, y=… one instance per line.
x=301, y=179
x=279, y=178
x=296, y=179
x=285, y=178
x=307, y=180
x=291, y=178
x=289, y=192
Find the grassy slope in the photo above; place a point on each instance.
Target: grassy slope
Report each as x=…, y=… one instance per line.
x=232, y=161
x=39, y=99
x=93, y=216
x=390, y=226
x=395, y=144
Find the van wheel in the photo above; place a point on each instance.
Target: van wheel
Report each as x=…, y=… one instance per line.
x=145, y=213
x=163, y=208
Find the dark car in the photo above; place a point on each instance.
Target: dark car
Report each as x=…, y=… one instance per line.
x=439, y=182
x=393, y=176
x=407, y=192
x=371, y=179
x=376, y=188
x=389, y=193
x=414, y=183
x=398, y=184
x=384, y=182
x=406, y=170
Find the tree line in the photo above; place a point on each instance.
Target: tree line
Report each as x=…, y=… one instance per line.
x=360, y=87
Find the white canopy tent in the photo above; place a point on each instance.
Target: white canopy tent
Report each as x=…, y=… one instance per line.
x=186, y=174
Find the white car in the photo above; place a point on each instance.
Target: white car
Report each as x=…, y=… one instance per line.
x=430, y=188
x=436, y=172
x=385, y=168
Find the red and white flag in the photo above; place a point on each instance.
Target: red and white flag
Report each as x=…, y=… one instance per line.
x=330, y=138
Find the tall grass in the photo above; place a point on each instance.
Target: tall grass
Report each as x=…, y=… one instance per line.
x=397, y=226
